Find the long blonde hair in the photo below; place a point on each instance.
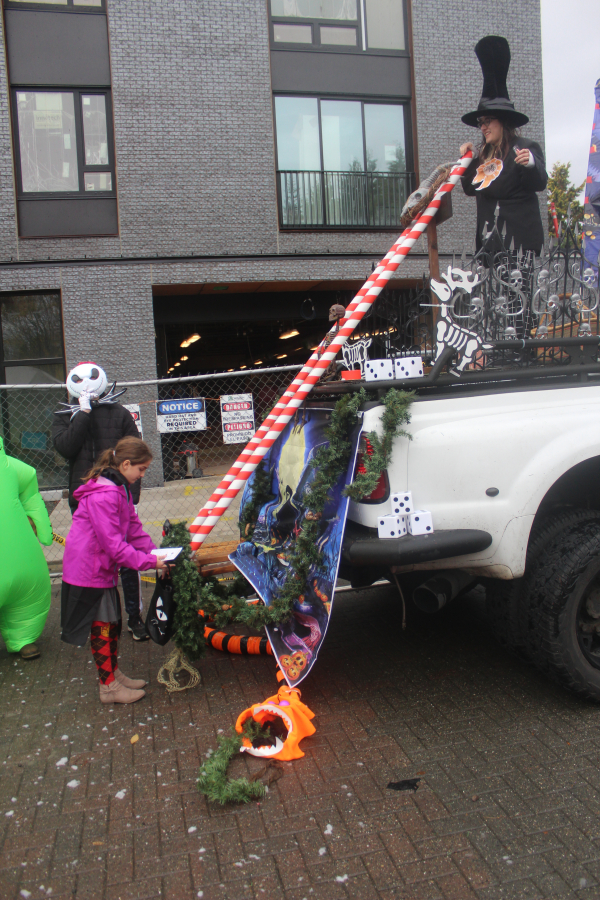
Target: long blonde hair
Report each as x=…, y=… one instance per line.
x=131, y=448
x=500, y=150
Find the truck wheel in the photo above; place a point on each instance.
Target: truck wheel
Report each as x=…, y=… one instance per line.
x=564, y=610
x=507, y=602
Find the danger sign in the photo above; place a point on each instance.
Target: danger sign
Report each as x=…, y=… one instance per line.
x=237, y=418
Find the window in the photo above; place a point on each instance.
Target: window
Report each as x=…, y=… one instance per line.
x=31, y=353
x=365, y=25
x=341, y=163
x=64, y=142
x=339, y=135
x=31, y=338
x=69, y=5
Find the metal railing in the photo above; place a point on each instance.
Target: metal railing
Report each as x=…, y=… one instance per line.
x=342, y=199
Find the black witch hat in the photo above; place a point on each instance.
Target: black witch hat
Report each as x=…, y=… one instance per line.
x=493, y=54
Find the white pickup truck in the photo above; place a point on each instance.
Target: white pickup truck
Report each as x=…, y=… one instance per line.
x=506, y=457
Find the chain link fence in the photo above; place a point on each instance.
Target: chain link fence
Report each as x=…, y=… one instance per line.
x=208, y=420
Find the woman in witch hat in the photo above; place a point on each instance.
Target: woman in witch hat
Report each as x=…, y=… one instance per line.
x=507, y=170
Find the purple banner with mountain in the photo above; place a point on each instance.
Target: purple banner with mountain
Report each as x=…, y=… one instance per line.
x=591, y=212
x=265, y=560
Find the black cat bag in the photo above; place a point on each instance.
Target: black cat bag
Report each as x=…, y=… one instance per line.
x=159, y=620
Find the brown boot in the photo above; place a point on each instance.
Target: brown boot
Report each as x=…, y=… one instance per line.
x=133, y=683
x=115, y=692
x=29, y=651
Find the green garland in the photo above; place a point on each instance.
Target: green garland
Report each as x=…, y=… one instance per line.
x=212, y=779
x=396, y=413
x=188, y=626
x=329, y=463
x=227, y=604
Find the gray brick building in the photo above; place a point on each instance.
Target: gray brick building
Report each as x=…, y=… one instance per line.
x=177, y=208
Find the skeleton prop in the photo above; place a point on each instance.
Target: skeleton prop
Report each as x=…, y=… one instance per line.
x=449, y=333
x=88, y=382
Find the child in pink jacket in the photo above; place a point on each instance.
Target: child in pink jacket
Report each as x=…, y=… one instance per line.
x=106, y=534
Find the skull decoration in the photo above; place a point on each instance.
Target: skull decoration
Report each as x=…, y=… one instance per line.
x=516, y=280
x=336, y=312
x=89, y=377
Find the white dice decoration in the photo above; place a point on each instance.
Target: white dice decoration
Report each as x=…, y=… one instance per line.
x=420, y=522
x=409, y=367
x=379, y=370
x=391, y=526
x=402, y=503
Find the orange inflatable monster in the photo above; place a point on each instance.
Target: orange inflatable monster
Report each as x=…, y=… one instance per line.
x=292, y=713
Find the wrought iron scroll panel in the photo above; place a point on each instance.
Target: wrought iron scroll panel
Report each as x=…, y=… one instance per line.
x=523, y=311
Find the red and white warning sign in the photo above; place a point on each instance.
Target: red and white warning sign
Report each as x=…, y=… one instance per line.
x=134, y=409
x=237, y=418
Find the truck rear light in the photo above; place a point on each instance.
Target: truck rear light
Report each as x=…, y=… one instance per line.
x=382, y=488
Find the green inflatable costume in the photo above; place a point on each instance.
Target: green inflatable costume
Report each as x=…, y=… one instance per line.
x=25, y=581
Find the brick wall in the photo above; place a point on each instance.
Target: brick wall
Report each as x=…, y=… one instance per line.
x=195, y=160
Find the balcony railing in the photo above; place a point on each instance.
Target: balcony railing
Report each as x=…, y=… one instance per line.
x=353, y=200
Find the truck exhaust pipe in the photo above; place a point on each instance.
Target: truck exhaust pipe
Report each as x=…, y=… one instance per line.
x=435, y=593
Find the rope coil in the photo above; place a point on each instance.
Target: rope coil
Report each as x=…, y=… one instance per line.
x=171, y=670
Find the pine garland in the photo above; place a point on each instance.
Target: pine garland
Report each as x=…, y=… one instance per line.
x=396, y=413
x=212, y=779
x=329, y=463
x=188, y=626
x=227, y=604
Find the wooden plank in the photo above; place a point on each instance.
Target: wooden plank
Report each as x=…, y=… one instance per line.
x=219, y=568
x=215, y=553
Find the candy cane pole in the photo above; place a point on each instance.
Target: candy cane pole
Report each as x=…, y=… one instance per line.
x=291, y=390
x=208, y=517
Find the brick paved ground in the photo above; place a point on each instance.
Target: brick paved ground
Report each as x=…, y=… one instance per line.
x=507, y=805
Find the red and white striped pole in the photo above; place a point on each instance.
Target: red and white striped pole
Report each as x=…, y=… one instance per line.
x=298, y=380
x=239, y=474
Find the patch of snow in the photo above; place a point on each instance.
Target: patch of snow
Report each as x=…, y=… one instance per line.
x=120, y=795
x=72, y=784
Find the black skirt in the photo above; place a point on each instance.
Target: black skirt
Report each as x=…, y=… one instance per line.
x=79, y=607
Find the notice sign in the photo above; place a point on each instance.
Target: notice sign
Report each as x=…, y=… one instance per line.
x=237, y=417
x=136, y=414
x=181, y=415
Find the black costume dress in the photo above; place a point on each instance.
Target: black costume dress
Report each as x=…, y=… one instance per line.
x=514, y=190
x=82, y=438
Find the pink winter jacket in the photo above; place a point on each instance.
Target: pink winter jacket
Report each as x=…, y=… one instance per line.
x=105, y=535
